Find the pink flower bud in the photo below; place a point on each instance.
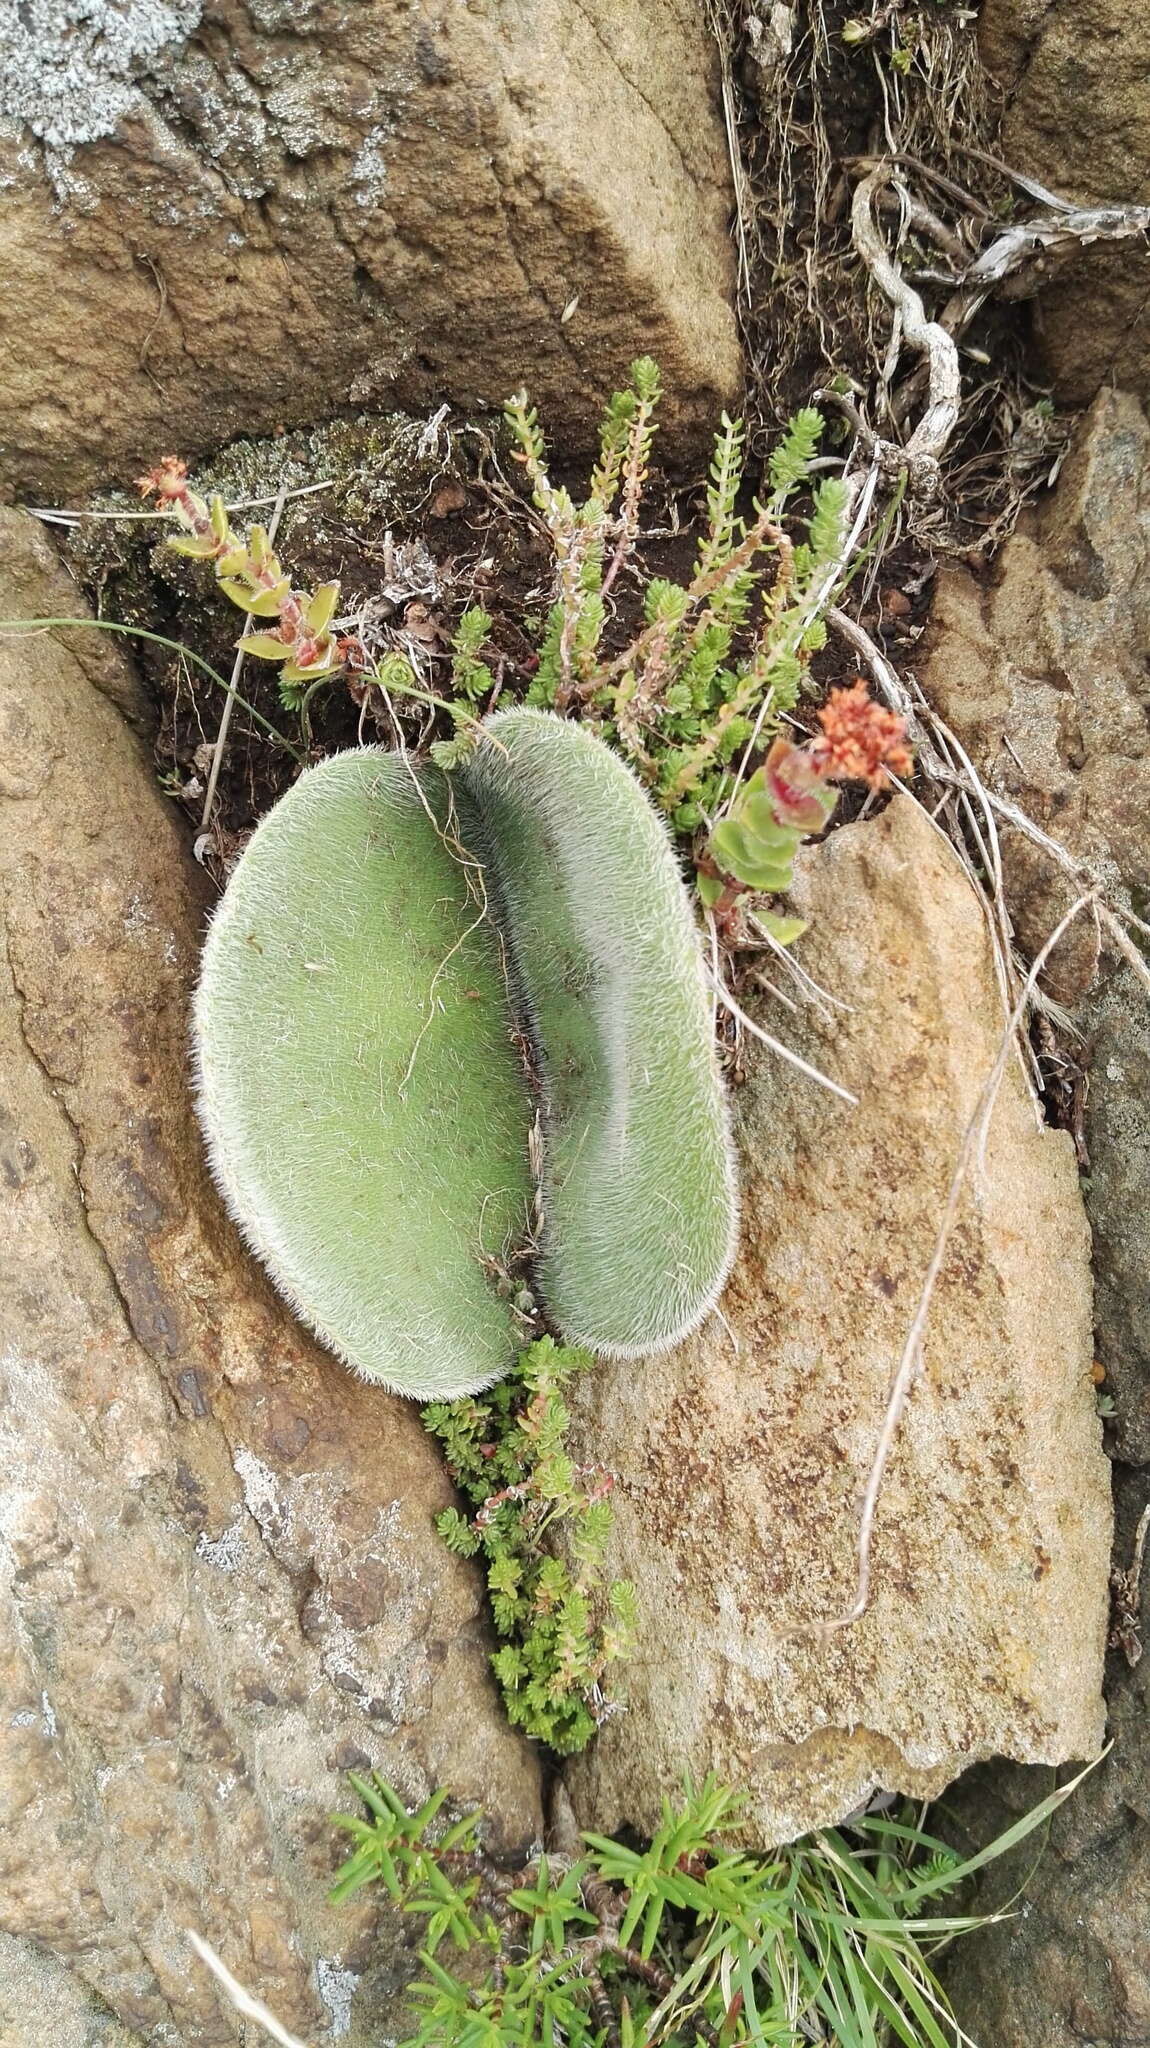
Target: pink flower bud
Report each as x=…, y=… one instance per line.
x=792, y=777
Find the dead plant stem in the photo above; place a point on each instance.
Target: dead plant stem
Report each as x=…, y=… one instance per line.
x=249, y=2008
x=233, y=686
x=58, y=515
x=784, y=1052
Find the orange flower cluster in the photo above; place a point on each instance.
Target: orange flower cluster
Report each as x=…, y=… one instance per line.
x=860, y=740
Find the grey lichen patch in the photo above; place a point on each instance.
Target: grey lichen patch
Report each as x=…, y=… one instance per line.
x=368, y=177
x=378, y=471
x=69, y=68
x=336, y=1987
x=224, y=1551
x=381, y=466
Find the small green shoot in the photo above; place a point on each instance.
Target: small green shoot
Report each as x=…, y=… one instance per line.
x=687, y=1939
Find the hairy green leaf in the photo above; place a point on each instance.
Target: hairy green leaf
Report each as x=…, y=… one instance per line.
x=366, y=1114
x=638, y=1176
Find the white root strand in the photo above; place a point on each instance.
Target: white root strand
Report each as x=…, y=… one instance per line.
x=248, y=2007
x=922, y=453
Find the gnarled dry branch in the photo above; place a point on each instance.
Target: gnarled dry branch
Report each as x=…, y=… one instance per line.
x=921, y=455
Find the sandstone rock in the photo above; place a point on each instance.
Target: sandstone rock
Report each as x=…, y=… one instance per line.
x=1042, y=674
x=225, y=215
x=740, y=1458
x=1077, y=117
x=221, y=1586
x=42, y=2003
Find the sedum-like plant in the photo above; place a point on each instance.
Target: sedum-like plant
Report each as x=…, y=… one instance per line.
x=540, y=1523
x=751, y=850
x=296, y=634
x=406, y=965
x=718, y=659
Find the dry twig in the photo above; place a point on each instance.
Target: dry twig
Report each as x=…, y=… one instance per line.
x=58, y=515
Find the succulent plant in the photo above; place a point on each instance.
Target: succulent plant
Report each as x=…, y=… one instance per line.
x=390, y=938
x=638, y=1187
x=366, y=1112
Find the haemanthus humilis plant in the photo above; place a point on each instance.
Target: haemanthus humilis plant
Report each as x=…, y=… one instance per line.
x=561, y=880
x=637, y=1173
x=366, y=1113
x=388, y=939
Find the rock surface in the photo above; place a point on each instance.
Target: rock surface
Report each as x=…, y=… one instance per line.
x=1042, y=674
x=43, y=2005
x=1071, y=1966
x=740, y=1457
x=1077, y=117
x=243, y=213
x=219, y=1580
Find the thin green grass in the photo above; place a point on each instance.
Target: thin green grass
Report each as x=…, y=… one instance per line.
x=687, y=1940
x=27, y=627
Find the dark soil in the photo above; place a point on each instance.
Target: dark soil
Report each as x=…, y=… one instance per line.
x=413, y=537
